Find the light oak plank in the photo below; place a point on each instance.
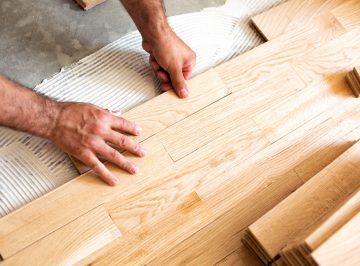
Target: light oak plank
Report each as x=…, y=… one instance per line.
x=230, y=114
x=343, y=248
x=264, y=59
x=237, y=258
x=70, y=243
x=41, y=217
x=291, y=15
x=348, y=14
x=288, y=157
x=88, y=4
x=337, y=57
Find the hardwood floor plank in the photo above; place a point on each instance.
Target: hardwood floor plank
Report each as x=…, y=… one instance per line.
x=348, y=14
x=41, y=217
x=291, y=15
x=337, y=57
x=71, y=243
x=343, y=247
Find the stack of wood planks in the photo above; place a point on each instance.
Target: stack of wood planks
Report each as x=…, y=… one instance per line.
x=353, y=78
x=253, y=131
x=299, y=227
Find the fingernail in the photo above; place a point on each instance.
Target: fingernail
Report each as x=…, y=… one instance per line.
x=115, y=181
x=134, y=169
x=184, y=93
x=138, y=130
x=141, y=151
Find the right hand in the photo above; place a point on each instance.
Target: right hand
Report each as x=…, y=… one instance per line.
x=85, y=131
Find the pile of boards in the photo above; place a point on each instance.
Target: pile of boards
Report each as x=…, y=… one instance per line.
x=318, y=224
x=253, y=131
x=353, y=79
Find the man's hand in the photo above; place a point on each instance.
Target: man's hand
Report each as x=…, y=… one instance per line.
x=172, y=61
x=85, y=131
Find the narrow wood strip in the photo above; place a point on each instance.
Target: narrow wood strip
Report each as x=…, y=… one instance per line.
x=71, y=243
x=348, y=14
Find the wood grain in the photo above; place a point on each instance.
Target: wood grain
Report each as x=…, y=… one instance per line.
x=343, y=248
x=316, y=197
x=70, y=243
x=88, y=4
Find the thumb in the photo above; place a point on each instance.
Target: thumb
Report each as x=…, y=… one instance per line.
x=178, y=82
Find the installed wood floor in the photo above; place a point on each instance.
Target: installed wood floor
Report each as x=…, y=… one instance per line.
x=253, y=131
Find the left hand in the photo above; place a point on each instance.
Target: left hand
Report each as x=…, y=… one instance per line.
x=172, y=61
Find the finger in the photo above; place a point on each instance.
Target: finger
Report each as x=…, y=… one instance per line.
x=125, y=143
x=166, y=86
x=117, y=158
x=154, y=64
x=99, y=168
x=163, y=76
x=187, y=70
x=123, y=125
x=178, y=82
x=187, y=74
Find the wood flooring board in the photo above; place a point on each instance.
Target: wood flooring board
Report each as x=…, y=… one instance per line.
x=230, y=114
x=237, y=258
x=88, y=4
x=291, y=15
x=341, y=216
x=272, y=165
x=71, y=243
x=297, y=109
x=343, y=248
x=41, y=217
x=348, y=14
x=259, y=64
x=336, y=57
x=166, y=109
x=316, y=196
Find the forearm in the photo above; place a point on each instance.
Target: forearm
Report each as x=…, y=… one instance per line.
x=23, y=109
x=149, y=17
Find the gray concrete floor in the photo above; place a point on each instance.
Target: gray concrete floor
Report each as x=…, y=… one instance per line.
x=37, y=38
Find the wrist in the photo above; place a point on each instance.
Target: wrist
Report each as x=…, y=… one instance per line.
x=51, y=114
x=157, y=32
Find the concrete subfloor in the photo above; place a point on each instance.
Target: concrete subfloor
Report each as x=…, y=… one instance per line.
x=37, y=38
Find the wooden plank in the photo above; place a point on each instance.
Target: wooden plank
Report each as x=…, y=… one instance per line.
x=43, y=216
x=285, y=157
x=70, y=243
x=304, y=206
x=291, y=15
x=337, y=57
x=343, y=248
x=348, y=14
x=237, y=258
x=262, y=60
x=165, y=110
x=335, y=222
x=230, y=114
x=88, y=4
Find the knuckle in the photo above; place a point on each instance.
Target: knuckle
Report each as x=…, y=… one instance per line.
x=98, y=130
x=123, y=141
x=90, y=141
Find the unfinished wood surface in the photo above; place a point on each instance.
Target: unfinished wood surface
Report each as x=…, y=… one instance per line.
x=348, y=14
x=313, y=237
x=41, y=217
x=301, y=209
x=193, y=198
x=291, y=15
x=165, y=110
x=70, y=243
x=87, y=4
x=343, y=248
